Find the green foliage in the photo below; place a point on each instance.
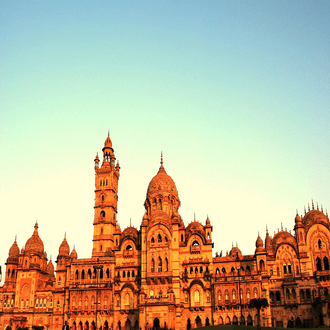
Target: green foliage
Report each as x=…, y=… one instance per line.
x=258, y=303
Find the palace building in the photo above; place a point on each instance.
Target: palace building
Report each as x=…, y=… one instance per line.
x=163, y=274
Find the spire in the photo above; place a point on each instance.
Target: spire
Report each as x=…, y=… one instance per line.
x=317, y=206
x=308, y=208
x=161, y=168
x=266, y=229
x=312, y=204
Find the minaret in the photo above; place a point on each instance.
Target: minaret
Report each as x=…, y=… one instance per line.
x=106, y=196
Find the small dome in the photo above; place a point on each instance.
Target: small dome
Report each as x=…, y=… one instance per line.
x=74, y=254
x=34, y=243
x=235, y=251
x=259, y=242
x=14, y=250
x=297, y=218
x=208, y=222
x=64, y=249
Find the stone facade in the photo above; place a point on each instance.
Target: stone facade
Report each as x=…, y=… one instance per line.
x=163, y=275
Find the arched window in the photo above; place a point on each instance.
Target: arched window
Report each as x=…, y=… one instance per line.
x=318, y=264
x=217, y=271
x=128, y=274
x=278, y=271
x=102, y=214
x=160, y=265
x=255, y=293
x=191, y=270
x=248, y=269
x=124, y=274
x=227, y=295
x=89, y=274
x=320, y=244
x=294, y=295
x=223, y=270
x=59, y=281
x=159, y=237
x=127, y=299
x=219, y=295
x=326, y=263
x=77, y=274
x=166, y=264
x=288, y=294
x=108, y=273
x=201, y=269
x=262, y=265
x=234, y=294
x=83, y=274
x=248, y=293
x=152, y=265
x=152, y=294
x=152, y=240
x=160, y=206
x=181, y=237
x=197, y=296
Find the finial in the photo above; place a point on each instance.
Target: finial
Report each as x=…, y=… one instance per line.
x=65, y=235
x=108, y=133
x=296, y=211
x=305, y=209
x=321, y=208
x=130, y=222
x=194, y=216
x=232, y=244
x=308, y=208
x=281, y=226
x=312, y=204
x=15, y=237
x=317, y=206
x=266, y=229
x=236, y=244
x=161, y=158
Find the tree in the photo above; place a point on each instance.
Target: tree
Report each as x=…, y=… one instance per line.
x=258, y=303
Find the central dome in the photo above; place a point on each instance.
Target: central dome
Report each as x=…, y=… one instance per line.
x=162, y=183
x=34, y=243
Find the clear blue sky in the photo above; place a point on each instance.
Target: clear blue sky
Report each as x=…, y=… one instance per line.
x=235, y=94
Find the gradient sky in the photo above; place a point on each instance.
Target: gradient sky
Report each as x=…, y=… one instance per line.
x=235, y=94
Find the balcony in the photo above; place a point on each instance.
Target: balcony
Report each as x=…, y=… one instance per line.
x=128, y=253
x=195, y=249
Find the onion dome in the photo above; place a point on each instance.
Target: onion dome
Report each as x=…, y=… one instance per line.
x=14, y=250
x=259, y=242
x=297, y=218
x=74, y=254
x=34, y=243
x=50, y=267
x=208, y=222
x=260, y=245
x=162, y=183
x=64, y=249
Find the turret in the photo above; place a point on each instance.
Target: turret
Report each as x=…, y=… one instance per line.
x=106, y=196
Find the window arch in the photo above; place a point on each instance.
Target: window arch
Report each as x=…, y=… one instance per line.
x=197, y=296
x=160, y=265
x=326, y=263
x=152, y=265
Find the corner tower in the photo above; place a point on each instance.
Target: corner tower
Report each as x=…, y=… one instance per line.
x=106, y=196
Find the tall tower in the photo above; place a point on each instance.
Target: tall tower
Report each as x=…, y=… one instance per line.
x=106, y=196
